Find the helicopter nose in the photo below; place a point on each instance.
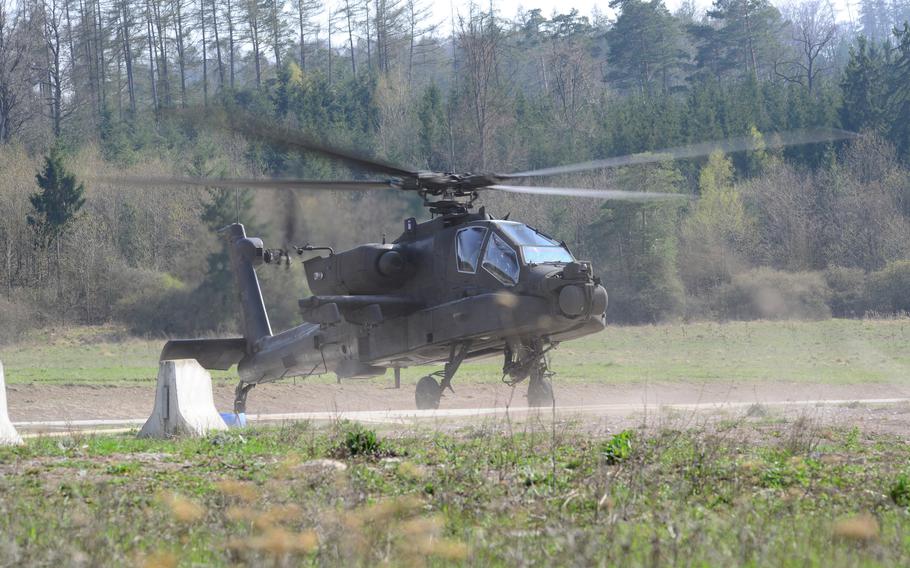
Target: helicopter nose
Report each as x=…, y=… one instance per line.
x=599, y=300
x=577, y=299
x=572, y=300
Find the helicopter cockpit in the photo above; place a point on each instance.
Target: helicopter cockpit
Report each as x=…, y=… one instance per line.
x=509, y=246
x=536, y=247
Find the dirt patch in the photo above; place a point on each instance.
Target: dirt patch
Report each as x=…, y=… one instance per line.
x=84, y=402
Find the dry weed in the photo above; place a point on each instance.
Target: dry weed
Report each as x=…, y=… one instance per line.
x=278, y=541
x=159, y=559
x=862, y=528
x=242, y=490
x=183, y=509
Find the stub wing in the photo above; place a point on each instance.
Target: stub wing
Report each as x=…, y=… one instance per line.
x=219, y=354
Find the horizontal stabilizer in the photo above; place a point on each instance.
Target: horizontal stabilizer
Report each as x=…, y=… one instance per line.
x=218, y=354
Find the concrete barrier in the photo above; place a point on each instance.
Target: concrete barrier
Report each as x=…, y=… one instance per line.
x=8, y=434
x=184, y=405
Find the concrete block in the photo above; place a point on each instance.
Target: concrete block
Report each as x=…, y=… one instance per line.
x=8, y=434
x=184, y=405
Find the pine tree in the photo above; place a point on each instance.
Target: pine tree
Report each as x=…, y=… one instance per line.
x=432, y=120
x=635, y=248
x=863, y=86
x=55, y=207
x=899, y=94
x=742, y=38
x=646, y=46
x=59, y=201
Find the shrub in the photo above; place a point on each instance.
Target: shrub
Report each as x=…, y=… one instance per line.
x=17, y=316
x=360, y=441
x=765, y=293
x=889, y=289
x=618, y=448
x=848, y=291
x=151, y=302
x=900, y=491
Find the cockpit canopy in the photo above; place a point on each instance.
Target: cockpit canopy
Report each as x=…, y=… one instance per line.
x=536, y=247
x=499, y=256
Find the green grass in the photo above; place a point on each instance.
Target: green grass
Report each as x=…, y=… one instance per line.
x=833, y=351
x=751, y=493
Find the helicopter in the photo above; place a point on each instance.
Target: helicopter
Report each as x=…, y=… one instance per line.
x=458, y=287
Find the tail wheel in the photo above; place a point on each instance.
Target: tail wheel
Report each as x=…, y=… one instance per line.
x=540, y=389
x=428, y=393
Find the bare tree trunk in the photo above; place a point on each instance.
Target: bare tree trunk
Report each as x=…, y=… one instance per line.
x=53, y=44
x=230, y=19
x=275, y=24
x=217, y=46
x=102, y=75
x=253, y=25
x=163, y=78
x=128, y=53
x=181, y=61
x=9, y=268
x=89, y=58
x=72, y=46
x=151, y=48
x=205, y=63
x=302, y=34
x=378, y=26
x=329, y=50
x=117, y=40
x=348, y=15
x=305, y=11
x=412, y=24
x=366, y=8
x=479, y=40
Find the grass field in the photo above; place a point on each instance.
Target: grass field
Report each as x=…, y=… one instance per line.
x=754, y=492
x=832, y=351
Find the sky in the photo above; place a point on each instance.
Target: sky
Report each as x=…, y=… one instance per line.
x=508, y=8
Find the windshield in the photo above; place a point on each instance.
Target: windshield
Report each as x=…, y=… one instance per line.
x=467, y=248
x=541, y=255
x=536, y=247
x=524, y=235
x=501, y=261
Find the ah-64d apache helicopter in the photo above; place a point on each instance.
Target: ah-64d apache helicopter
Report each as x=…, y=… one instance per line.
x=459, y=287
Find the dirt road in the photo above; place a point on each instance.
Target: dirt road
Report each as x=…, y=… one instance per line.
x=607, y=404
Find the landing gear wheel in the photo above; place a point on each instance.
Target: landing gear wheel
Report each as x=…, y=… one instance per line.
x=540, y=389
x=540, y=393
x=428, y=393
x=240, y=393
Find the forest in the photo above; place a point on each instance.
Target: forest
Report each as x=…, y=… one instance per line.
x=95, y=89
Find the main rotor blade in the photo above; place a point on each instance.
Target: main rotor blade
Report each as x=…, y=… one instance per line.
x=251, y=183
x=611, y=194
x=276, y=134
x=740, y=144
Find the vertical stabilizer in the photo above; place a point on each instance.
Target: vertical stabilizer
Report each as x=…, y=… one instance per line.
x=246, y=255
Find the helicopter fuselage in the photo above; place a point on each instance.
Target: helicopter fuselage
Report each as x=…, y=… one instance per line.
x=467, y=280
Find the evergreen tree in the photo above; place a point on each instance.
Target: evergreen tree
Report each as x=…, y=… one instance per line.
x=899, y=94
x=864, y=89
x=431, y=117
x=59, y=201
x=635, y=248
x=742, y=38
x=55, y=207
x=647, y=47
